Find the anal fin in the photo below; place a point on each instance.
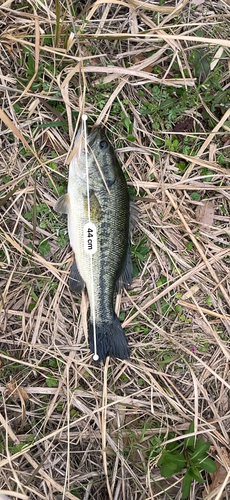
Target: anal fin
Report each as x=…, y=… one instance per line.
x=76, y=282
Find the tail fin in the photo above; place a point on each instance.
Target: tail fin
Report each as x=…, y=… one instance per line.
x=111, y=340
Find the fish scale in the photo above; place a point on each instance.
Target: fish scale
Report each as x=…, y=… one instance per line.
x=109, y=212
x=112, y=249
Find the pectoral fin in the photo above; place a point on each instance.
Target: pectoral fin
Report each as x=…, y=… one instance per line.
x=126, y=276
x=62, y=204
x=76, y=282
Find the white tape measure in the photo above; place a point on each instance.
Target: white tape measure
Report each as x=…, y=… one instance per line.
x=90, y=241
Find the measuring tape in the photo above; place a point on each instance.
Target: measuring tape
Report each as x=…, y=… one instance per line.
x=90, y=240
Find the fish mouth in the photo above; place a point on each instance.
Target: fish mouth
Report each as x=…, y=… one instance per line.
x=96, y=134
x=84, y=138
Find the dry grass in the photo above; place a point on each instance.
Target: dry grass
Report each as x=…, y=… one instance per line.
x=95, y=432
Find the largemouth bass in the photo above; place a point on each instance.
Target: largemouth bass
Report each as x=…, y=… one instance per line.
x=109, y=212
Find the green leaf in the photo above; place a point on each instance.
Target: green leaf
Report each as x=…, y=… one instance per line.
x=195, y=473
x=200, y=450
x=19, y=447
x=130, y=131
x=161, y=459
x=51, y=381
x=31, y=306
x=130, y=138
x=162, y=280
x=201, y=64
x=28, y=215
x=186, y=485
x=208, y=465
x=168, y=469
x=53, y=362
x=44, y=247
x=209, y=176
x=171, y=462
x=17, y=108
x=53, y=165
x=194, y=196
x=135, y=271
x=127, y=123
x=16, y=447
x=31, y=65
x=165, y=306
x=190, y=245
x=208, y=300
x=175, y=446
x=190, y=441
x=6, y=178
x=50, y=124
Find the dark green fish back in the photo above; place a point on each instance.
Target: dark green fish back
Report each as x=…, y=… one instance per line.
x=114, y=230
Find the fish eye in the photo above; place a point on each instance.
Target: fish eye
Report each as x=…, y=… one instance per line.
x=103, y=144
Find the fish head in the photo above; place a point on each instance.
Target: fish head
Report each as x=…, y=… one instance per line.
x=103, y=167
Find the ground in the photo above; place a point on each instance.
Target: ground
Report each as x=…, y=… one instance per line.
x=157, y=76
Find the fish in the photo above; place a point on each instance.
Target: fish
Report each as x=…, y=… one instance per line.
x=111, y=261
